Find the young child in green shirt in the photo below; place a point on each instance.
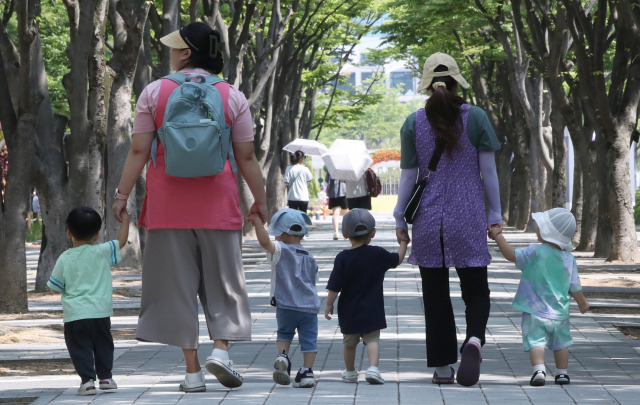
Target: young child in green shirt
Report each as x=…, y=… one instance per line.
x=83, y=275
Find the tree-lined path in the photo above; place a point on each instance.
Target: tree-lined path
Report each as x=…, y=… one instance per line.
x=604, y=364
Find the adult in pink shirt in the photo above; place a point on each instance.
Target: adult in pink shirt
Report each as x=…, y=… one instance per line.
x=194, y=225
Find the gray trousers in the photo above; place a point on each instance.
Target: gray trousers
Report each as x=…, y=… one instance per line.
x=181, y=265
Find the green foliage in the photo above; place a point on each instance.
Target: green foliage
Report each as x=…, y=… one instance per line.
x=35, y=233
x=54, y=34
x=378, y=125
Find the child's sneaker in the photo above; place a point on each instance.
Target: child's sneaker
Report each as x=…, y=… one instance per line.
x=350, y=376
x=282, y=369
x=537, y=379
x=108, y=384
x=304, y=380
x=223, y=371
x=193, y=382
x=373, y=376
x=562, y=379
x=87, y=388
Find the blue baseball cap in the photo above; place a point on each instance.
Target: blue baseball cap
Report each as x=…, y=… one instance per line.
x=291, y=221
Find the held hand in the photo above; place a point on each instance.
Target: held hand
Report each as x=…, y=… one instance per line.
x=260, y=209
x=328, y=311
x=118, y=207
x=402, y=235
x=254, y=219
x=494, y=230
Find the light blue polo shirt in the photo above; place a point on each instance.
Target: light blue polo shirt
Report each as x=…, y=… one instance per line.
x=294, y=286
x=83, y=276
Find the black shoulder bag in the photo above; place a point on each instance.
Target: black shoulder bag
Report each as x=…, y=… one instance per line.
x=411, y=209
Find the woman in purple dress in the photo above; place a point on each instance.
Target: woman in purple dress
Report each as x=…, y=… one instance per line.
x=450, y=228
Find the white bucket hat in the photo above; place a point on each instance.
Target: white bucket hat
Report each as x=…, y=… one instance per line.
x=556, y=225
x=433, y=62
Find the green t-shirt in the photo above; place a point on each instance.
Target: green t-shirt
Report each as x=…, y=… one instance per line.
x=83, y=276
x=479, y=131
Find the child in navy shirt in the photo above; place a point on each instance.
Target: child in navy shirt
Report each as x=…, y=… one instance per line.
x=358, y=274
x=293, y=292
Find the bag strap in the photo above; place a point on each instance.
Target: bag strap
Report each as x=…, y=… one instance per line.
x=435, y=157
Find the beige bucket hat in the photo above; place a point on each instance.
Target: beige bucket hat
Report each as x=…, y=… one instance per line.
x=433, y=62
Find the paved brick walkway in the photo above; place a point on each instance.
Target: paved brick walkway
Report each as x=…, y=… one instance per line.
x=604, y=364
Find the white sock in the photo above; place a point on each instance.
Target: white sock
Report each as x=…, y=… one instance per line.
x=220, y=354
x=372, y=368
x=561, y=371
x=444, y=371
x=475, y=340
x=194, y=377
x=303, y=370
x=540, y=367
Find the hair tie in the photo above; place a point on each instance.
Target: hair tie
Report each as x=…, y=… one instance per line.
x=438, y=84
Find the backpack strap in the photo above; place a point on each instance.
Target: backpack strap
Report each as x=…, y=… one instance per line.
x=171, y=82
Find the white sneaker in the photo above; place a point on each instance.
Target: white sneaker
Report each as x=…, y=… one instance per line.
x=223, y=371
x=108, y=384
x=88, y=388
x=350, y=376
x=373, y=376
x=336, y=236
x=193, y=382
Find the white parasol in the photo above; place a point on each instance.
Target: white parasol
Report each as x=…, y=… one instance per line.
x=307, y=146
x=347, y=159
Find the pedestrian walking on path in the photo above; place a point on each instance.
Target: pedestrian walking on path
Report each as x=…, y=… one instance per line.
x=83, y=275
x=194, y=224
x=296, y=179
x=293, y=292
x=549, y=280
x=358, y=276
x=450, y=226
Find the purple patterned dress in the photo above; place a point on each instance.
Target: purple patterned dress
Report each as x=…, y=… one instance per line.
x=452, y=204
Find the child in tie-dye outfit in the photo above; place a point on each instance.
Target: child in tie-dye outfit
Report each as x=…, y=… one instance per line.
x=549, y=280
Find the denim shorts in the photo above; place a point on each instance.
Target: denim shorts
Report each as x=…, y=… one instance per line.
x=306, y=323
x=543, y=332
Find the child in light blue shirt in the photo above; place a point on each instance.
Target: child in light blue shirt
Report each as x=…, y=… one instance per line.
x=293, y=292
x=83, y=275
x=549, y=280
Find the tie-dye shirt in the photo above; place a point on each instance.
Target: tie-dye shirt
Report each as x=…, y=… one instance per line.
x=548, y=276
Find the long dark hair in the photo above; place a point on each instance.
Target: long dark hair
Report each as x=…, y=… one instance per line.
x=443, y=109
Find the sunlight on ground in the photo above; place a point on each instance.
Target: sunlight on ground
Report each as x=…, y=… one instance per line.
x=384, y=203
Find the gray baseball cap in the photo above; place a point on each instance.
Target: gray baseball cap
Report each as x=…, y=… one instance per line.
x=358, y=222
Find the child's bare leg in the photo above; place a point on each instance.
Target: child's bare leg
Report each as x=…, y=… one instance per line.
x=373, y=351
x=562, y=358
x=308, y=358
x=283, y=345
x=536, y=354
x=349, y=353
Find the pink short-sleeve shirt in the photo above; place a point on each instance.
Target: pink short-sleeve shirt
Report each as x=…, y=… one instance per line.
x=210, y=202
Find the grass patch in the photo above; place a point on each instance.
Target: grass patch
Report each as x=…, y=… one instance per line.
x=35, y=233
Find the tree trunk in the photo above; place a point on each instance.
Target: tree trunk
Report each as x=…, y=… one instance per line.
x=559, y=175
x=624, y=244
x=127, y=46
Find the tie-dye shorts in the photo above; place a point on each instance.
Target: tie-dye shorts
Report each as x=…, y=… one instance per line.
x=544, y=332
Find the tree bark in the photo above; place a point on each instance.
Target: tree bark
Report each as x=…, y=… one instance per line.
x=128, y=17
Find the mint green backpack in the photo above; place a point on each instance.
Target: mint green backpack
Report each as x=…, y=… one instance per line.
x=194, y=133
